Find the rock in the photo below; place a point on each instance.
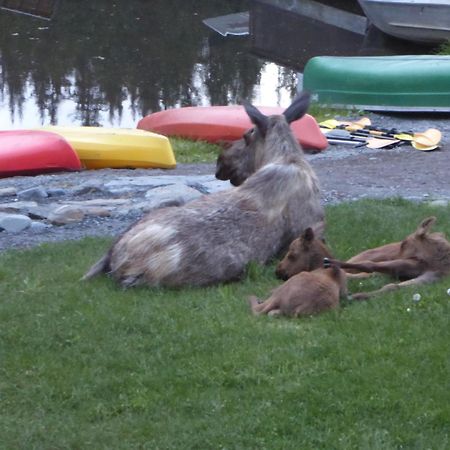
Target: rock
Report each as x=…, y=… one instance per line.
x=57, y=192
x=14, y=223
x=96, y=211
x=107, y=202
x=66, y=214
x=172, y=195
x=216, y=186
x=38, y=212
x=39, y=227
x=148, y=181
x=12, y=207
x=8, y=192
x=122, y=191
x=89, y=188
x=34, y=193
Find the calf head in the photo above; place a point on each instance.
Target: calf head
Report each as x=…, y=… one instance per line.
x=248, y=154
x=426, y=246
x=305, y=253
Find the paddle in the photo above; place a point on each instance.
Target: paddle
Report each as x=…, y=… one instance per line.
x=345, y=137
x=426, y=141
x=333, y=123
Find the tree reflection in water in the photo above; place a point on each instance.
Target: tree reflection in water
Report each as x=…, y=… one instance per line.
x=109, y=55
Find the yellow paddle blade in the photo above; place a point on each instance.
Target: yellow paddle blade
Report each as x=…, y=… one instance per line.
x=404, y=137
x=428, y=138
x=363, y=122
x=424, y=148
x=353, y=127
x=330, y=123
x=358, y=124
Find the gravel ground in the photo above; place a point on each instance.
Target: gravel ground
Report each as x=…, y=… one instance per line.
x=345, y=173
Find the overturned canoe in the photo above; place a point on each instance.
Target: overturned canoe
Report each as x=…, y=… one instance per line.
x=419, y=20
x=224, y=123
x=29, y=152
x=383, y=83
x=100, y=148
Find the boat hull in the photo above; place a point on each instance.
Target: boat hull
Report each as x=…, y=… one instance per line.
x=420, y=20
x=29, y=152
x=116, y=148
x=224, y=123
x=384, y=83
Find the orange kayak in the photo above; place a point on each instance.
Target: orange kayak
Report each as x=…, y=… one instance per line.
x=29, y=152
x=224, y=123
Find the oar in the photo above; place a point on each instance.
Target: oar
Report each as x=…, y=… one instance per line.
x=345, y=137
x=342, y=137
x=333, y=123
x=426, y=141
x=364, y=125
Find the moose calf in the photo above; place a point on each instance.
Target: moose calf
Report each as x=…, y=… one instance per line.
x=312, y=289
x=422, y=257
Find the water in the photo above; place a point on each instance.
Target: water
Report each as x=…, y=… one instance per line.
x=109, y=63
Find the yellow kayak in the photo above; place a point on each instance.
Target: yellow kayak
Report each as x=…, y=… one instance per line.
x=100, y=148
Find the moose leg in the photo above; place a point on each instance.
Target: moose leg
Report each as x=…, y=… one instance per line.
x=262, y=308
x=407, y=268
x=427, y=277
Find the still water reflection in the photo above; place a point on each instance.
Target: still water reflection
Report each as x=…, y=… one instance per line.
x=108, y=62
x=111, y=62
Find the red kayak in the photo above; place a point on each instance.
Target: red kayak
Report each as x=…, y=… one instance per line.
x=27, y=152
x=224, y=123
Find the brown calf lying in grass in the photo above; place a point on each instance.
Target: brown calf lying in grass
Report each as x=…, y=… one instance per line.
x=422, y=257
x=313, y=289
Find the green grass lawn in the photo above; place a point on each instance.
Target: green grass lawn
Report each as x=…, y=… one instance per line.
x=91, y=366
x=194, y=152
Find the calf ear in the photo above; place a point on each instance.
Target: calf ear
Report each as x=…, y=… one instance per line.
x=425, y=226
x=257, y=117
x=298, y=107
x=308, y=235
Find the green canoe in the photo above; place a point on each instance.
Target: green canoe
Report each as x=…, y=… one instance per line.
x=380, y=83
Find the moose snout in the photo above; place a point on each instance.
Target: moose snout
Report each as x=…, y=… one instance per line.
x=281, y=273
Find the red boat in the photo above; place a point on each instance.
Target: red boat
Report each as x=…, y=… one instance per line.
x=28, y=152
x=224, y=123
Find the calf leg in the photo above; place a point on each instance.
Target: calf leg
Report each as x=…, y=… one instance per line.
x=427, y=277
x=405, y=268
x=265, y=307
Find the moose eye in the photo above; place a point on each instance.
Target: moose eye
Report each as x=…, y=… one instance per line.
x=248, y=135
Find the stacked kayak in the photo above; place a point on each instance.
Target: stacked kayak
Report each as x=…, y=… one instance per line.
x=29, y=152
x=100, y=148
x=380, y=83
x=224, y=123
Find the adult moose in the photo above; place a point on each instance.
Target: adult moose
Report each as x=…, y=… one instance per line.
x=212, y=239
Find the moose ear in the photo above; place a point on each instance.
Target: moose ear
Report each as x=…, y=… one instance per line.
x=425, y=226
x=298, y=107
x=257, y=117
